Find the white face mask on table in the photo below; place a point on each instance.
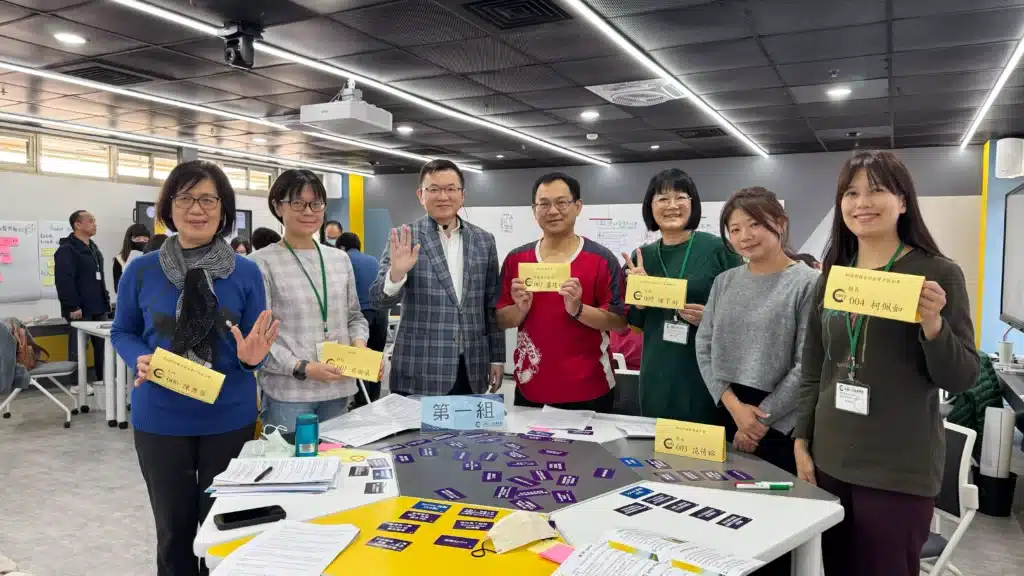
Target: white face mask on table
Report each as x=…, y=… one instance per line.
x=519, y=529
x=272, y=444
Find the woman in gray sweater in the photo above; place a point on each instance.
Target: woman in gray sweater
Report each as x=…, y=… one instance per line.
x=750, y=341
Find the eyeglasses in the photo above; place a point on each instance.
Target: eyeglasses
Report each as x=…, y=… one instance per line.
x=300, y=205
x=667, y=200
x=186, y=202
x=448, y=190
x=561, y=205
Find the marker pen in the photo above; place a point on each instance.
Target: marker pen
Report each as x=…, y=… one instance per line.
x=763, y=485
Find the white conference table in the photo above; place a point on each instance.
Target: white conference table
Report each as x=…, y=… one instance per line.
x=115, y=373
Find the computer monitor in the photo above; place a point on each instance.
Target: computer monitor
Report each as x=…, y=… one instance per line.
x=1011, y=308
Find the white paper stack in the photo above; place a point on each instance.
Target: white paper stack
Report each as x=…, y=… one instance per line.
x=289, y=549
x=245, y=476
x=559, y=419
x=390, y=415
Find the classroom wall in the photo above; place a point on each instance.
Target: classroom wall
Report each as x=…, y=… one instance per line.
x=991, y=329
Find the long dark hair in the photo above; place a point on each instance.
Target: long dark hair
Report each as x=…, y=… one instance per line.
x=764, y=207
x=132, y=231
x=884, y=169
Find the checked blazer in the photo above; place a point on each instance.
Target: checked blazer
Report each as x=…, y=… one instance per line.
x=434, y=326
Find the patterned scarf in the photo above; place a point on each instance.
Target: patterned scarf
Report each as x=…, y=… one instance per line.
x=197, y=307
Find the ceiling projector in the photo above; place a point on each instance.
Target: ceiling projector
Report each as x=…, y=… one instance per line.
x=346, y=115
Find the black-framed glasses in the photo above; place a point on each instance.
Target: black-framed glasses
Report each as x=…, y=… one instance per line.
x=561, y=205
x=300, y=205
x=449, y=190
x=186, y=202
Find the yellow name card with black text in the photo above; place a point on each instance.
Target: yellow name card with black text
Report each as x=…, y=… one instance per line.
x=655, y=292
x=689, y=439
x=353, y=362
x=874, y=293
x=185, y=376
x=543, y=277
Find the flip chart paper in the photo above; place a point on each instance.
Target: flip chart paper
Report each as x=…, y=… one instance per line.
x=874, y=293
x=354, y=362
x=655, y=292
x=542, y=277
x=185, y=376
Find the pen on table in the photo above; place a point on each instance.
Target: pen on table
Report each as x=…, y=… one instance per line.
x=763, y=485
x=263, y=474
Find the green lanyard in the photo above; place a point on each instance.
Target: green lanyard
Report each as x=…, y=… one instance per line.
x=686, y=257
x=323, y=276
x=853, y=331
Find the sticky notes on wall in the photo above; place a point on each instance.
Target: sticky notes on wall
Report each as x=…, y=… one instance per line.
x=6, y=259
x=9, y=240
x=5, y=249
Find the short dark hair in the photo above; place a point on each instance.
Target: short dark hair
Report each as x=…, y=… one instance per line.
x=75, y=217
x=263, y=237
x=289, y=186
x=439, y=165
x=572, y=183
x=763, y=206
x=349, y=241
x=333, y=223
x=183, y=178
x=155, y=243
x=671, y=179
x=239, y=241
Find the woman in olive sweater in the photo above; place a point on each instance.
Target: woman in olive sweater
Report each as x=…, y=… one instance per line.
x=879, y=445
x=671, y=385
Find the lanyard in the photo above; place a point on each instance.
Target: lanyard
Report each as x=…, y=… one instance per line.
x=323, y=276
x=686, y=257
x=853, y=330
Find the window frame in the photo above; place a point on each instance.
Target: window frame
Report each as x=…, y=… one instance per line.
x=111, y=153
x=32, y=160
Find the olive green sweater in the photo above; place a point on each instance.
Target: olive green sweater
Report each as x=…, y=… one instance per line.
x=899, y=446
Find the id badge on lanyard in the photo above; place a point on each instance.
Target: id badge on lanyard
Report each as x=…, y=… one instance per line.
x=853, y=397
x=676, y=330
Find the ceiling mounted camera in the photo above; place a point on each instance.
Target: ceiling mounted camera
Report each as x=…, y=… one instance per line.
x=238, y=43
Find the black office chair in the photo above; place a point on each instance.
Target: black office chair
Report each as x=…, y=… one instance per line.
x=957, y=501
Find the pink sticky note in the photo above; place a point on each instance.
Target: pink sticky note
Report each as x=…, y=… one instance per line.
x=5, y=249
x=541, y=428
x=1, y=278
x=558, y=553
x=324, y=446
x=8, y=240
x=5, y=259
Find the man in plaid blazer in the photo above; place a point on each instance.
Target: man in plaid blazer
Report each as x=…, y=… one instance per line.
x=444, y=271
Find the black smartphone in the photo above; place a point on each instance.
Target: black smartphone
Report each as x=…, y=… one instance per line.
x=250, y=517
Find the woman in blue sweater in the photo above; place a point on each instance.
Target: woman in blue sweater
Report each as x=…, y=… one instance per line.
x=196, y=298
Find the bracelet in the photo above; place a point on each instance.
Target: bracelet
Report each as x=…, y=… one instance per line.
x=579, y=311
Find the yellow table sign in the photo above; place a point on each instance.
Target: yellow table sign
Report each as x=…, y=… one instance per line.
x=874, y=293
x=541, y=277
x=655, y=291
x=185, y=376
x=361, y=363
x=689, y=439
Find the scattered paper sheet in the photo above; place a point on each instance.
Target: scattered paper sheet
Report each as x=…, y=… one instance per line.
x=667, y=550
x=600, y=560
x=391, y=414
x=285, y=471
x=558, y=419
x=289, y=549
x=636, y=430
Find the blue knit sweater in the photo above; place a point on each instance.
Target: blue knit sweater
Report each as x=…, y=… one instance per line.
x=145, y=320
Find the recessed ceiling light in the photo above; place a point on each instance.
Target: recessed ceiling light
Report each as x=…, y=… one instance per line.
x=590, y=115
x=260, y=140
x=405, y=129
x=655, y=146
x=838, y=93
x=500, y=156
x=68, y=38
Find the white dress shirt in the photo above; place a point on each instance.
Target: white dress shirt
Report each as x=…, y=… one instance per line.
x=452, y=247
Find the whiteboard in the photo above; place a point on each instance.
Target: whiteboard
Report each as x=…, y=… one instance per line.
x=50, y=234
x=19, y=261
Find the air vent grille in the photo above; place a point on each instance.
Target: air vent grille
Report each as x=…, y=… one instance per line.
x=706, y=132
x=510, y=14
x=107, y=75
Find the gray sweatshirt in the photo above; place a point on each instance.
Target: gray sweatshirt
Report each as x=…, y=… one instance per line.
x=752, y=334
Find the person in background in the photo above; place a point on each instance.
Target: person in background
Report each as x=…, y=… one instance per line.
x=135, y=238
x=366, y=268
x=155, y=243
x=561, y=356
x=671, y=385
x=241, y=246
x=332, y=231
x=313, y=293
x=81, y=288
x=263, y=237
x=882, y=454
x=751, y=338
x=448, y=341
x=195, y=298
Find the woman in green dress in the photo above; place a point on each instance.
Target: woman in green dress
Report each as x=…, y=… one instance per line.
x=671, y=385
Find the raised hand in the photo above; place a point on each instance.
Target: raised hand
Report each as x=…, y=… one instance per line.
x=521, y=296
x=253, y=348
x=403, y=253
x=637, y=268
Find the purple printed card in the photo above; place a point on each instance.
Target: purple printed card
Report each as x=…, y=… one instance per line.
x=659, y=499
x=391, y=448
x=559, y=466
x=440, y=437
x=636, y=492
x=419, y=516
x=568, y=480
x=393, y=544
x=690, y=475
x=470, y=465
x=521, y=464
x=713, y=475
x=489, y=440
x=516, y=455
x=404, y=458
x=487, y=456
x=491, y=476
x=428, y=451
x=734, y=521
x=605, y=473
x=740, y=475
x=419, y=442
x=563, y=440
x=460, y=455
x=632, y=509
x=527, y=504
x=455, y=542
x=680, y=506
x=707, y=513
x=472, y=525
x=531, y=492
x=401, y=527
x=540, y=475
x=478, y=513
x=383, y=474
x=474, y=434
x=432, y=506
x=549, y=452
x=540, y=433
x=450, y=494
x=564, y=496
x=505, y=492
x=653, y=463
x=456, y=444
x=513, y=445
x=523, y=481
x=378, y=463
x=667, y=476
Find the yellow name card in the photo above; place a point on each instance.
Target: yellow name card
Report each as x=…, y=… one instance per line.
x=689, y=439
x=873, y=293
x=655, y=292
x=542, y=277
x=361, y=363
x=185, y=376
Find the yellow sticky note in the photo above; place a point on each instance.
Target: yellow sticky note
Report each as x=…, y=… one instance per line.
x=48, y=251
x=185, y=376
x=689, y=439
x=361, y=363
x=51, y=265
x=655, y=292
x=349, y=455
x=48, y=280
x=874, y=293
x=543, y=277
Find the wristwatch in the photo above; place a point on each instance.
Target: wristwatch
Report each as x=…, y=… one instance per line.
x=299, y=373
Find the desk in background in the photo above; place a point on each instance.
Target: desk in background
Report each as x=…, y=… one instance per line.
x=115, y=373
x=1013, y=392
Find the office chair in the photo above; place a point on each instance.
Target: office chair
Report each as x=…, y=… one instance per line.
x=957, y=501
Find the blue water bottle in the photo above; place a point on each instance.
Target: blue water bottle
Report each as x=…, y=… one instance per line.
x=307, y=435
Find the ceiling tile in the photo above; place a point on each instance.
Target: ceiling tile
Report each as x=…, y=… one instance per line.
x=786, y=16
x=85, y=107
x=732, y=80
x=321, y=38
x=449, y=124
x=127, y=22
x=32, y=55
x=265, y=12
x=606, y=125
x=933, y=116
x=443, y=87
x=251, y=107
x=212, y=49
x=245, y=83
x=186, y=116
x=673, y=114
x=704, y=23
x=46, y=5
x=302, y=76
x=558, y=41
x=684, y=60
x=758, y=114
x=663, y=146
x=845, y=107
x=13, y=89
x=522, y=119
x=955, y=29
x=613, y=8
x=187, y=92
x=857, y=144
x=848, y=122
x=440, y=139
x=388, y=65
x=39, y=30
x=155, y=119
x=956, y=82
x=126, y=102
x=792, y=126
x=555, y=130
x=856, y=132
x=606, y=70
x=208, y=130
x=835, y=70
x=648, y=135
x=607, y=112
x=910, y=8
x=956, y=59
x=417, y=127
x=33, y=109
x=112, y=123
x=822, y=44
x=332, y=6
x=926, y=141
x=10, y=12
x=410, y=23
x=749, y=98
x=562, y=98
x=296, y=99
x=160, y=63
x=474, y=55
x=877, y=88
x=930, y=129
x=413, y=112
x=483, y=105
x=521, y=79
